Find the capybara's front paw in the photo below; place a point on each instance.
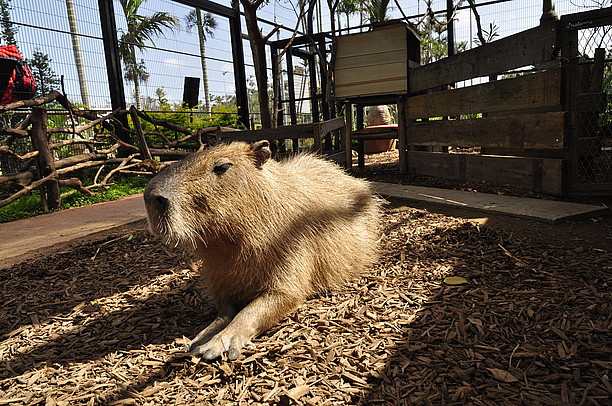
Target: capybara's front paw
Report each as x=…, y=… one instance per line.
x=220, y=344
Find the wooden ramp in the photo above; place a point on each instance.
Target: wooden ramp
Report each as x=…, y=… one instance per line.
x=550, y=211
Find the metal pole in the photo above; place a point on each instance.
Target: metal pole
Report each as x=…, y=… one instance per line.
x=450, y=27
x=239, y=71
x=111, y=52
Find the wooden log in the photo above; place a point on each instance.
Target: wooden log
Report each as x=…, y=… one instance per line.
x=21, y=178
x=279, y=133
x=163, y=123
x=84, y=127
x=14, y=132
x=26, y=190
x=4, y=150
x=144, y=148
x=58, y=145
x=331, y=125
x=50, y=194
x=321, y=129
x=76, y=184
x=87, y=164
x=76, y=159
x=53, y=95
x=169, y=152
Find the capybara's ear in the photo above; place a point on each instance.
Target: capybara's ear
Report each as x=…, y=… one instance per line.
x=261, y=152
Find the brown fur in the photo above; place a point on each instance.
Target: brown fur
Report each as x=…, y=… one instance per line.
x=269, y=233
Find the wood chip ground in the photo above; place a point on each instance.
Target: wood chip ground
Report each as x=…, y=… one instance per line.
x=104, y=323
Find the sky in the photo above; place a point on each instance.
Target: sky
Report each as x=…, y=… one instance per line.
x=43, y=25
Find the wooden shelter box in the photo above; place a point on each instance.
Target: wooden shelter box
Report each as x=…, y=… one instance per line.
x=376, y=62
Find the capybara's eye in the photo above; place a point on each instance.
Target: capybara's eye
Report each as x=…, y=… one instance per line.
x=222, y=168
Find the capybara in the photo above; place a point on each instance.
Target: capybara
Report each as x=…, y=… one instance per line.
x=269, y=234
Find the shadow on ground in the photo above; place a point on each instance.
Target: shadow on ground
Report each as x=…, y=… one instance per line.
x=104, y=323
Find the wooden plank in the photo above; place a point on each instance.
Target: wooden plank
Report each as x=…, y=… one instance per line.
x=597, y=73
x=283, y=132
x=280, y=133
x=389, y=86
x=348, y=129
x=331, y=125
x=372, y=73
x=536, y=174
x=382, y=39
x=382, y=135
x=316, y=133
x=373, y=59
x=542, y=130
x=526, y=48
x=401, y=134
x=533, y=91
x=588, y=19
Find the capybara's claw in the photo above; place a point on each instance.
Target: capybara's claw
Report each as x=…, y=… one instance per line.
x=219, y=345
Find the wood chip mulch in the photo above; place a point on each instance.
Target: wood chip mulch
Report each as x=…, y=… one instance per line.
x=105, y=323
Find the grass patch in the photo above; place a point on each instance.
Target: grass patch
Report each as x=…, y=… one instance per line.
x=30, y=205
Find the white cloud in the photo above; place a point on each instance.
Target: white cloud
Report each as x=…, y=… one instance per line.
x=174, y=62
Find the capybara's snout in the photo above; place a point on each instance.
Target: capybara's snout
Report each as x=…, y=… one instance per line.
x=157, y=202
x=157, y=197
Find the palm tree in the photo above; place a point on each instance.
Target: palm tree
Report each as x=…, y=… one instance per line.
x=78, y=54
x=378, y=10
x=140, y=30
x=348, y=7
x=205, y=24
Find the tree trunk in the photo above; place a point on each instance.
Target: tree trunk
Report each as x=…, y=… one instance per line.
x=50, y=193
x=78, y=54
x=202, y=39
x=258, y=50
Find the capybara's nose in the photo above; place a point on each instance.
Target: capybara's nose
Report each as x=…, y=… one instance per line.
x=158, y=203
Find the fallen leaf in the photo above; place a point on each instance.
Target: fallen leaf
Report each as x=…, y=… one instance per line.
x=455, y=280
x=502, y=375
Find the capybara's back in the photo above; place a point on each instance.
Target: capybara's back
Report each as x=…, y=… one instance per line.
x=269, y=233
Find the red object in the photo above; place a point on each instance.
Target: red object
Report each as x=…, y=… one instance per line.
x=10, y=51
x=20, y=84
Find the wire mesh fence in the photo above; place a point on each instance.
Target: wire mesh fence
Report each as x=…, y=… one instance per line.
x=594, y=126
x=55, y=36
x=44, y=29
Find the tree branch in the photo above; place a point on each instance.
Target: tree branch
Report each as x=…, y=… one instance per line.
x=27, y=189
x=31, y=102
x=76, y=184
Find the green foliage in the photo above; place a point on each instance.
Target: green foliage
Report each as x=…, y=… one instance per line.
x=46, y=79
x=205, y=21
x=30, y=205
x=377, y=10
x=7, y=29
x=488, y=35
x=140, y=32
x=162, y=98
x=434, y=41
x=222, y=115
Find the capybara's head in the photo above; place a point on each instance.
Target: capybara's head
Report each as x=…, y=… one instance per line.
x=208, y=195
